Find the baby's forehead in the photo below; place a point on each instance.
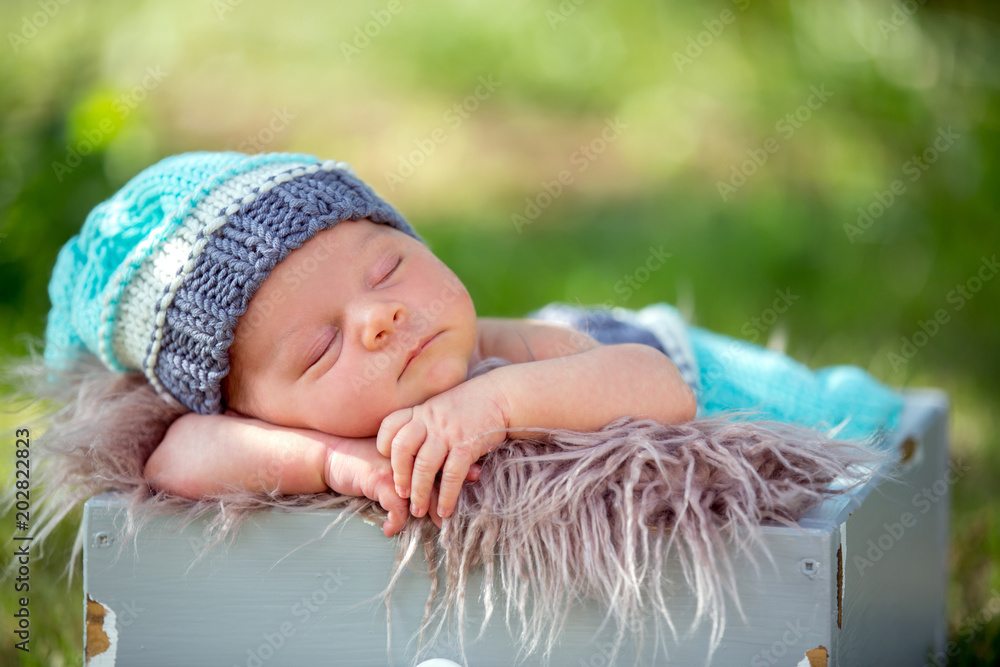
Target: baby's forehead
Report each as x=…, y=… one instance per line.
x=321, y=264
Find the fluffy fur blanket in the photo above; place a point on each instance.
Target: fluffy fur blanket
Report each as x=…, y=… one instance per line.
x=551, y=520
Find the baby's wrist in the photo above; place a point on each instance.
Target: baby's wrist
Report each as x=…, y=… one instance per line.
x=333, y=463
x=503, y=391
x=349, y=465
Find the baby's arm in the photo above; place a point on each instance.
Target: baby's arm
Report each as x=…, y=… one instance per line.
x=559, y=379
x=587, y=391
x=585, y=385
x=202, y=455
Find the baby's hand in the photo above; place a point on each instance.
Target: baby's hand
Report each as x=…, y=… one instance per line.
x=355, y=468
x=446, y=433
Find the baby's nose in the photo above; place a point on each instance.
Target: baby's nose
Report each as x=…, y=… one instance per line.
x=382, y=321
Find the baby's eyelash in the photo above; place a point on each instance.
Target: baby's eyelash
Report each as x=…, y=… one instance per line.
x=323, y=351
x=391, y=271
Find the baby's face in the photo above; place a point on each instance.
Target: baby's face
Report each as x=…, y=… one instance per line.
x=360, y=321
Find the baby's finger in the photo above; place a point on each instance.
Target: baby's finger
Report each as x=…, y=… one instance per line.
x=396, y=507
x=406, y=445
x=474, y=471
x=395, y=522
x=428, y=462
x=454, y=473
x=389, y=428
x=432, y=511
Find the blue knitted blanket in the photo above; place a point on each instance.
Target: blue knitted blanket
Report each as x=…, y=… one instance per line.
x=729, y=374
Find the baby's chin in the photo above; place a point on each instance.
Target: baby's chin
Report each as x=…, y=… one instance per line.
x=363, y=428
x=443, y=378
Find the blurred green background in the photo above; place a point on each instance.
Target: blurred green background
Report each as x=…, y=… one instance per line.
x=845, y=153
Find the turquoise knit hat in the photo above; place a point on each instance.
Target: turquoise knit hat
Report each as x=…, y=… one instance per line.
x=160, y=273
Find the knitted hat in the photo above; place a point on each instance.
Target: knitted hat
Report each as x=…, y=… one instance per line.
x=160, y=273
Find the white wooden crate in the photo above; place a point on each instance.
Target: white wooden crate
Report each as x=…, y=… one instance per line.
x=860, y=582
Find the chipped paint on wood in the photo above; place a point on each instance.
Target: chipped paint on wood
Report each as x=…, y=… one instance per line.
x=817, y=656
x=100, y=637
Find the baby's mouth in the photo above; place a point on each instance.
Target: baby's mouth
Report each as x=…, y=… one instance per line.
x=424, y=342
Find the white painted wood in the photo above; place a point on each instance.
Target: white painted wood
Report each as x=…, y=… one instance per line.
x=284, y=595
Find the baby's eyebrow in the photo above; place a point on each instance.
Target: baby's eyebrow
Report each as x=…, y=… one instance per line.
x=281, y=345
x=370, y=238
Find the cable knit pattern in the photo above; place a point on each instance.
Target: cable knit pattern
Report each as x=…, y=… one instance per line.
x=160, y=273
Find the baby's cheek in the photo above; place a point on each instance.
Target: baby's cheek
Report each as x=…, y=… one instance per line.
x=360, y=416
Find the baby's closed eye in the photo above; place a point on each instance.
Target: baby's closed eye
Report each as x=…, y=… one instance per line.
x=323, y=349
x=386, y=268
